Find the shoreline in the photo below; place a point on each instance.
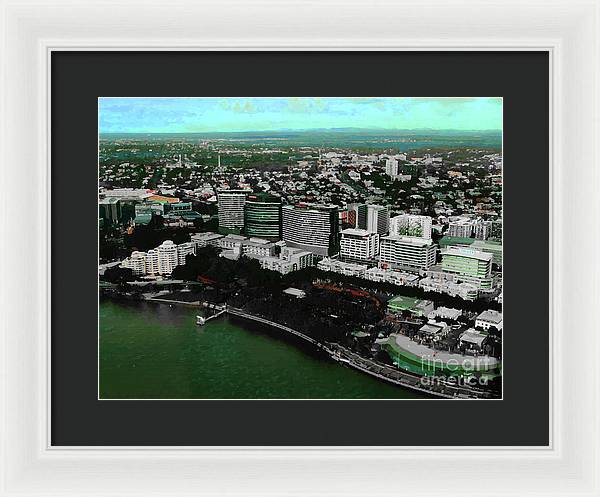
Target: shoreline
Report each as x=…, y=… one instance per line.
x=342, y=355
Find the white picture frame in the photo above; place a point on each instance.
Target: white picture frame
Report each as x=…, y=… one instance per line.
x=568, y=30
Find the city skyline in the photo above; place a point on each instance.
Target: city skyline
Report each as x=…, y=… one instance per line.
x=380, y=250
x=252, y=114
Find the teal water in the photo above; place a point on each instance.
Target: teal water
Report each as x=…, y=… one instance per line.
x=154, y=351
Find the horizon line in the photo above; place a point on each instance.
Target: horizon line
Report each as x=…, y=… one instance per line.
x=286, y=130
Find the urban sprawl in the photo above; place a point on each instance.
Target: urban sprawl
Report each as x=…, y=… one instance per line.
x=392, y=261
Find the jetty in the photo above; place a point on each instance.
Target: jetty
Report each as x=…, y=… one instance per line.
x=201, y=320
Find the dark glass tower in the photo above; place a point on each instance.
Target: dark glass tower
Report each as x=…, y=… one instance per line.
x=262, y=216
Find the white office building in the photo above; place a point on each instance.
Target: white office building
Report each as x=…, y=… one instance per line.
x=204, y=239
x=231, y=209
x=298, y=257
x=404, y=252
x=359, y=245
x=276, y=264
x=290, y=259
x=411, y=225
x=311, y=227
x=231, y=242
x=258, y=247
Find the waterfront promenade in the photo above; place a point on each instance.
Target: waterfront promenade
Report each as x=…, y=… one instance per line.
x=444, y=389
x=440, y=388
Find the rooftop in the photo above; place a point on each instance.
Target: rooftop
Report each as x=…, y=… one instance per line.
x=412, y=240
x=408, y=302
x=237, y=238
x=206, y=236
x=295, y=292
x=467, y=252
x=472, y=336
x=430, y=329
x=355, y=232
x=491, y=316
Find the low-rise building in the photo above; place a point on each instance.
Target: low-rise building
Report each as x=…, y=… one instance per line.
x=276, y=264
x=395, y=277
x=290, y=259
x=489, y=318
x=258, y=247
x=295, y=292
x=434, y=330
x=472, y=340
x=299, y=258
x=445, y=313
x=345, y=268
x=413, y=305
x=204, y=239
x=448, y=285
x=231, y=242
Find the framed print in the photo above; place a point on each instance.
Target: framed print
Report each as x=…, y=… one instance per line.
x=255, y=271
x=247, y=251
x=326, y=232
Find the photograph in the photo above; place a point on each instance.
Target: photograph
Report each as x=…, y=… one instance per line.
x=300, y=248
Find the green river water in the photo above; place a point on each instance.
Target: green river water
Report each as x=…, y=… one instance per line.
x=155, y=351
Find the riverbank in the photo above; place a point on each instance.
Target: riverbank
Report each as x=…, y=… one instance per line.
x=440, y=387
x=343, y=355
x=156, y=351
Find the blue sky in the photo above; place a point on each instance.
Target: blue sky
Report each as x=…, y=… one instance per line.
x=199, y=114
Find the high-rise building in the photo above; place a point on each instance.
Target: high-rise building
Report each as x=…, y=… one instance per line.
x=391, y=167
x=348, y=217
x=373, y=218
x=136, y=262
x=160, y=260
x=411, y=225
x=152, y=266
x=183, y=250
x=231, y=210
x=167, y=257
x=463, y=228
x=472, y=266
x=262, y=216
x=405, y=252
x=482, y=229
x=358, y=245
x=311, y=227
x=110, y=209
